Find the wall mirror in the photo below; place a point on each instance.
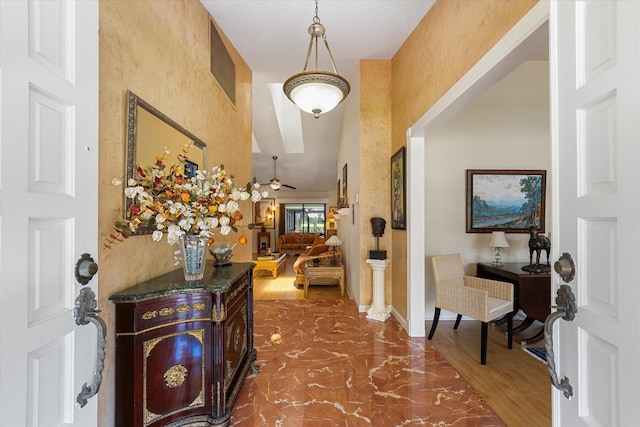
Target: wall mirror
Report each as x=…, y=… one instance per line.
x=149, y=131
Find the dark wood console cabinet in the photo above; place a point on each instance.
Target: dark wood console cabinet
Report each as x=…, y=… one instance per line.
x=183, y=349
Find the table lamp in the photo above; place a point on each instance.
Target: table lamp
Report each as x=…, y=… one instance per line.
x=498, y=243
x=334, y=241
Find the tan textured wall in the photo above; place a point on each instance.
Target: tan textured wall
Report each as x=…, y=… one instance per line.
x=375, y=200
x=449, y=40
x=159, y=49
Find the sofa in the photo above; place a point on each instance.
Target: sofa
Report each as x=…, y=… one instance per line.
x=323, y=253
x=297, y=243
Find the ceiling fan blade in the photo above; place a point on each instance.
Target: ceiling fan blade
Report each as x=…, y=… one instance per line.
x=289, y=186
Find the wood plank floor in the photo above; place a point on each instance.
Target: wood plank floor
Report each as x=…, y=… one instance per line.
x=513, y=383
x=281, y=288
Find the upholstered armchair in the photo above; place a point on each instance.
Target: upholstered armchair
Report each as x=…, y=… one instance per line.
x=481, y=299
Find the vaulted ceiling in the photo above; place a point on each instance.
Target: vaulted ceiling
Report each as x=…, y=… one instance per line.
x=272, y=37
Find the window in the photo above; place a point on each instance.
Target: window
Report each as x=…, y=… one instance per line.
x=304, y=218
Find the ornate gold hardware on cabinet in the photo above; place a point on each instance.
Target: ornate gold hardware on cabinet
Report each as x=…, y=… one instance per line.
x=149, y=315
x=166, y=311
x=175, y=376
x=228, y=373
x=236, y=291
x=218, y=317
x=237, y=336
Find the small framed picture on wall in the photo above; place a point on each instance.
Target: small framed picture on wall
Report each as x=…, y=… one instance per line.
x=264, y=213
x=398, y=191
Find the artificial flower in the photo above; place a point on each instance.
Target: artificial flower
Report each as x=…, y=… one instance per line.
x=168, y=201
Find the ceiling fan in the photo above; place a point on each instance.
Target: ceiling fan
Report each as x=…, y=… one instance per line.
x=275, y=183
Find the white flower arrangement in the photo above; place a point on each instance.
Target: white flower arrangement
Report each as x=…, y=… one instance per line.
x=166, y=199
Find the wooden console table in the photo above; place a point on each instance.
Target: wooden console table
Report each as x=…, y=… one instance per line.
x=313, y=272
x=183, y=349
x=531, y=292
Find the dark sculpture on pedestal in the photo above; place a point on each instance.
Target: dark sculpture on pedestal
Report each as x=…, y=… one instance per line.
x=537, y=244
x=378, y=224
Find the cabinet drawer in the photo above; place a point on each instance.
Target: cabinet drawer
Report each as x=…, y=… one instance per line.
x=237, y=290
x=172, y=309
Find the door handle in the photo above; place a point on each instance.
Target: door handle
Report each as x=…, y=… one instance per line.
x=85, y=312
x=566, y=308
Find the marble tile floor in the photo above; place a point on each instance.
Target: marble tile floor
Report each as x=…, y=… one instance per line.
x=324, y=364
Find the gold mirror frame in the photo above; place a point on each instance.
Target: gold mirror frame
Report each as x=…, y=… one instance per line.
x=136, y=105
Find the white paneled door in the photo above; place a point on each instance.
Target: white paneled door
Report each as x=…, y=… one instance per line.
x=595, y=53
x=48, y=208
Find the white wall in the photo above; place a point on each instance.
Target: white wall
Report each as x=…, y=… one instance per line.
x=349, y=153
x=507, y=127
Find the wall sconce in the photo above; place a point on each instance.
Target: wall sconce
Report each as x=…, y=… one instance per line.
x=498, y=243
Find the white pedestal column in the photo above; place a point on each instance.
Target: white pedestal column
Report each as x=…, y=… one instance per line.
x=378, y=310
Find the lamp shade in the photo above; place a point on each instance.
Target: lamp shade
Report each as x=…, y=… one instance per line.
x=333, y=241
x=498, y=240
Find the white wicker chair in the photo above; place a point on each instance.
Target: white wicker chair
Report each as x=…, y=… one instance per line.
x=474, y=297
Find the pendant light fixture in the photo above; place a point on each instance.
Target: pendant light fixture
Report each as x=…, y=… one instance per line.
x=317, y=92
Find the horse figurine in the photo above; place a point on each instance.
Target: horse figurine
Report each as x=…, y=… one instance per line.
x=537, y=244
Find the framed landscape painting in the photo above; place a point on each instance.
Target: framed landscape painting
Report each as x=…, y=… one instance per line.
x=505, y=200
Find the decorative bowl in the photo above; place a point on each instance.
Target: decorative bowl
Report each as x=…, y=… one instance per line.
x=222, y=253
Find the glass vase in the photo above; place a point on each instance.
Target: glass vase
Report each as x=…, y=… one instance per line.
x=194, y=249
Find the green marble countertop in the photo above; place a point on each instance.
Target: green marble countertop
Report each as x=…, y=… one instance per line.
x=216, y=279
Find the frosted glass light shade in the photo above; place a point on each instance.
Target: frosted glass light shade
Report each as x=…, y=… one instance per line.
x=275, y=184
x=316, y=92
